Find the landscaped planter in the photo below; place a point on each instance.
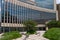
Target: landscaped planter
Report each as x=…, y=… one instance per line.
x=11, y=35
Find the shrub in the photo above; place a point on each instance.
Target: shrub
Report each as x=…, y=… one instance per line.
x=30, y=26
x=7, y=37
x=31, y=32
x=53, y=34
x=58, y=24
x=53, y=24
x=11, y=35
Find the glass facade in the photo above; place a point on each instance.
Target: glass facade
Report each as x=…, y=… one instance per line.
x=0, y=10
x=49, y=4
x=31, y=2
x=12, y=13
x=45, y=3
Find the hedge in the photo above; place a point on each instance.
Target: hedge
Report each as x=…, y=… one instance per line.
x=53, y=34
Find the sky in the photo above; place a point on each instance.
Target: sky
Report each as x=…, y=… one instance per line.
x=57, y=1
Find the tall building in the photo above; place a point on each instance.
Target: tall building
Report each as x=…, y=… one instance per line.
x=14, y=12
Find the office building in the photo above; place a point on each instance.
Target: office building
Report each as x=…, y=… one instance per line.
x=14, y=12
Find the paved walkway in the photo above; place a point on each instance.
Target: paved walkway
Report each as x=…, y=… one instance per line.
x=1, y=35
x=33, y=37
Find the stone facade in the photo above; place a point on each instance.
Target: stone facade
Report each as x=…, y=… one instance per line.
x=58, y=9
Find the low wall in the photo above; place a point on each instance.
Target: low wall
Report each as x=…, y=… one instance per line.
x=18, y=25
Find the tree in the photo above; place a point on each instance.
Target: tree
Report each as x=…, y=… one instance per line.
x=30, y=26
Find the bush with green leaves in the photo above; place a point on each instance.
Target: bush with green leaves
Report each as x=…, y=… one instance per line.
x=53, y=23
x=10, y=35
x=31, y=32
x=30, y=26
x=53, y=34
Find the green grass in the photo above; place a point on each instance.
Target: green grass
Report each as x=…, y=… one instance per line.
x=11, y=35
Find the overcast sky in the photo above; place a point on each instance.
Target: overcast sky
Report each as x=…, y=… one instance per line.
x=58, y=1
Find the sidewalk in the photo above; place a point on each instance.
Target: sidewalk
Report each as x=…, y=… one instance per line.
x=33, y=37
